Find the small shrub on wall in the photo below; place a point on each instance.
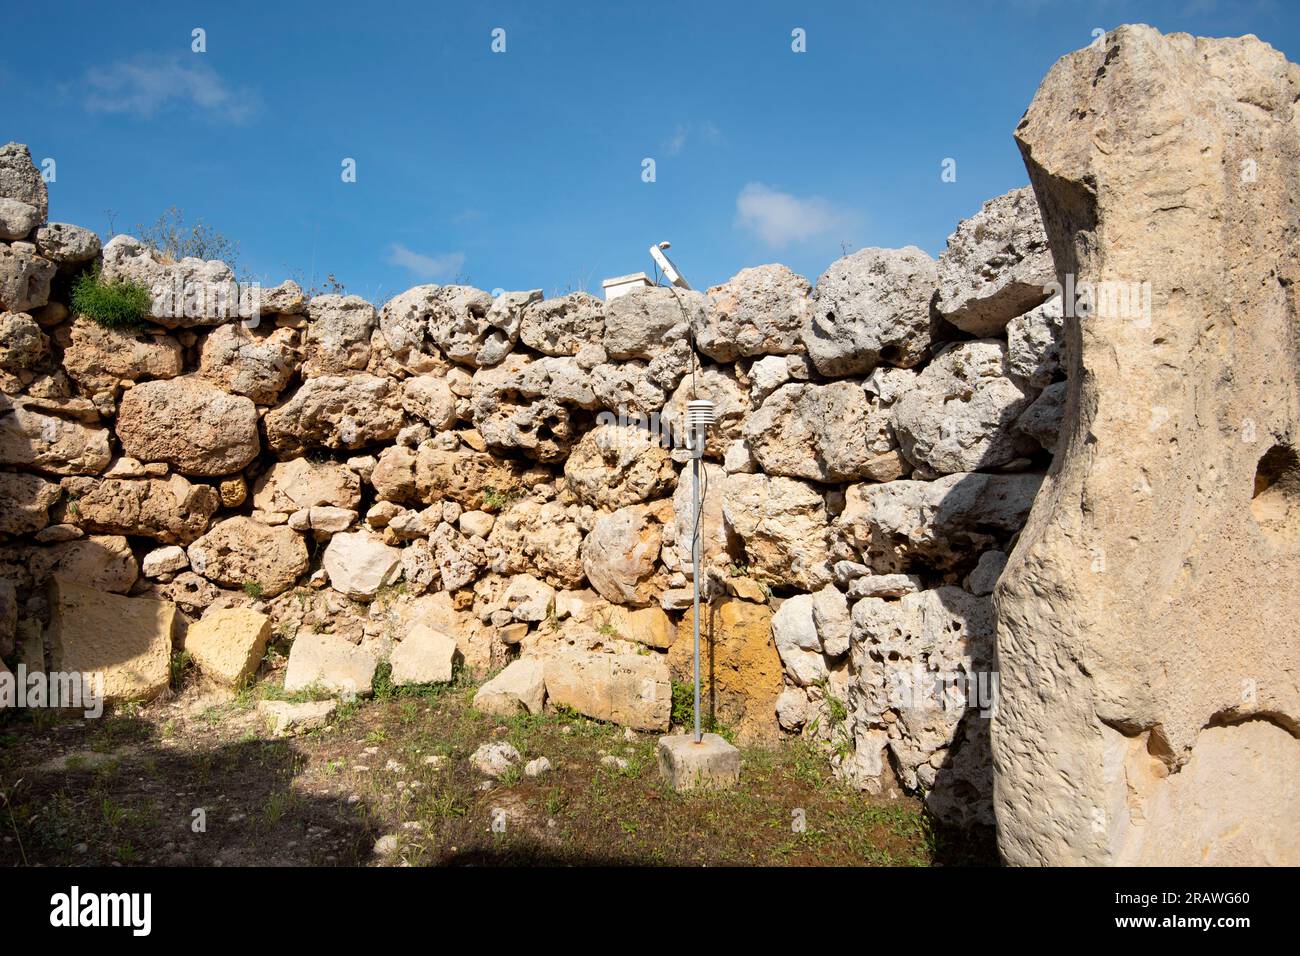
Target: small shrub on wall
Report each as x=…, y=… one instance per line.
x=115, y=305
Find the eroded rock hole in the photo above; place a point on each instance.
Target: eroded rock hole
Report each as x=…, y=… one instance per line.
x=1275, y=499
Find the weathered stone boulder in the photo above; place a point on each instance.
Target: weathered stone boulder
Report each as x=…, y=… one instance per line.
x=1149, y=703
x=621, y=554
x=359, y=564
x=256, y=363
x=227, y=643
x=330, y=664
x=21, y=180
x=795, y=634
x=323, y=519
x=493, y=759
x=425, y=655
x=171, y=510
x=740, y=669
x=459, y=558
x=942, y=524
x=100, y=359
x=233, y=491
x=61, y=531
x=869, y=308
x=988, y=569
x=462, y=323
x=630, y=388
x=407, y=323
x=646, y=322
x=430, y=397
x=27, y=500
x=923, y=675
x=64, y=243
x=959, y=415
x=528, y=599
x=287, y=718
x=127, y=640
x=633, y=690
x=519, y=689
x=536, y=407
x=1034, y=343
x=782, y=526
x=166, y=560
x=338, y=335
x=539, y=538
x=476, y=524
x=284, y=299
x=769, y=373
x=830, y=611
x=50, y=438
x=478, y=643
x=884, y=585
x=17, y=219
x=617, y=465
x=24, y=277
x=792, y=710
x=99, y=562
x=187, y=293
x=828, y=433
x=997, y=265
x=646, y=625
x=758, y=311
x=290, y=486
x=563, y=325
x=1041, y=421
x=393, y=475
x=335, y=411
x=718, y=544
x=194, y=427
x=190, y=591
x=472, y=479
x=23, y=346
x=240, y=551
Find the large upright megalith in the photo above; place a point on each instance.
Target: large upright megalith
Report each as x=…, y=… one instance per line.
x=1149, y=617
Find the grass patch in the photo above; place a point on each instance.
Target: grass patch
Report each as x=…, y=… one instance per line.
x=385, y=689
x=496, y=501
x=182, y=665
x=116, y=304
x=683, y=713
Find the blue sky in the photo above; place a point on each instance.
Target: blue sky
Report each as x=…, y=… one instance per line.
x=523, y=169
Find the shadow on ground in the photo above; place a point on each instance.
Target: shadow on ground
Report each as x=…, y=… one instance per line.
x=116, y=795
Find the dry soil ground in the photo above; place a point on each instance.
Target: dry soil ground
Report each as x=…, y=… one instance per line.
x=132, y=787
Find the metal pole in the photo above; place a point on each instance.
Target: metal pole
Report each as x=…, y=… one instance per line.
x=695, y=561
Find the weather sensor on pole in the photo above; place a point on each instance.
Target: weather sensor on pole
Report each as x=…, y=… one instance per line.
x=698, y=760
x=699, y=416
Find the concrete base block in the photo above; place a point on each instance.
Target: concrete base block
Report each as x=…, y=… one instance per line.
x=712, y=764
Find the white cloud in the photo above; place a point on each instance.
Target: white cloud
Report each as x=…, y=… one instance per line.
x=705, y=132
x=676, y=142
x=147, y=85
x=780, y=218
x=431, y=268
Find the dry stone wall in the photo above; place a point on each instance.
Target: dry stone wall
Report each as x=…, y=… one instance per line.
x=498, y=473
